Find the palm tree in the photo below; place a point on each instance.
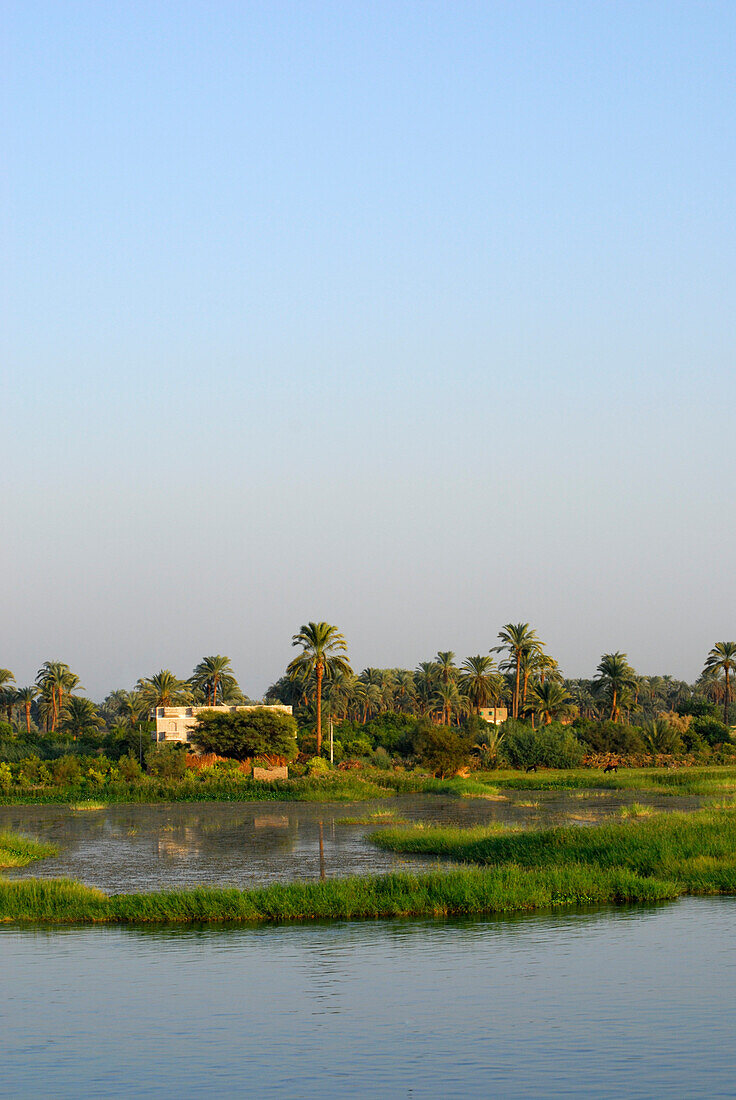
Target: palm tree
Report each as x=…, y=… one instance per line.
x=426, y=679
x=448, y=699
x=6, y=677
x=479, y=680
x=164, y=690
x=322, y=649
x=615, y=676
x=213, y=676
x=53, y=679
x=551, y=700
x=26, y=695
x=519, y=640
x=722, y=659
x=80, y=717
x=446, y=665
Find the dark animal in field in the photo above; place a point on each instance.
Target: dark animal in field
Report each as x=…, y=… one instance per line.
x=531, y=768
x=610, y=768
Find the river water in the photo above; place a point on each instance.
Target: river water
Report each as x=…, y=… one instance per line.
x=631, y=1002
x=149, y=847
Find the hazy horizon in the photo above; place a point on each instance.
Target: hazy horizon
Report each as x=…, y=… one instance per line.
x=411, y=317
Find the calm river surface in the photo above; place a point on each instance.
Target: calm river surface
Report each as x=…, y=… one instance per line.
x=150, y=847
x=635, y=1002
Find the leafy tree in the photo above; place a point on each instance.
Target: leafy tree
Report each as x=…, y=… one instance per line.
x=441, y=749
x=166, y=761
x=553, y=746
x=710, y=729
x=244, y=734
x=323, y=647
x=721, y=660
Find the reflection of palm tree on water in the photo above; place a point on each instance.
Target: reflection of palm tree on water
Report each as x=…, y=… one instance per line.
x=321, y=852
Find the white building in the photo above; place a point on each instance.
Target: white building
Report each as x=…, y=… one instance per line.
x=176, y=723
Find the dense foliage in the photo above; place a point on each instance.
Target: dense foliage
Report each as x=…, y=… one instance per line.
x=245, y=734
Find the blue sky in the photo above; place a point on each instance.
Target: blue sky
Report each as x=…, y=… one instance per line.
x=413, y=317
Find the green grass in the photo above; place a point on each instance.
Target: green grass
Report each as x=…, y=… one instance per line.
x=642, y=860
x=436, y=894
x=337, y=786
x=378, y=817
x=18, y=851
x=697, y=851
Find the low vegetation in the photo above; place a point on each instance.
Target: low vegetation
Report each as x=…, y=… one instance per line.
x=641, y=860
x=696, y=851
x=18, y=851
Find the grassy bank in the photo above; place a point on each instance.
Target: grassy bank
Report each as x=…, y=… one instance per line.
x=436, y=894
x=641, y=860
x=17, y=851
x=696, y=851
x=337, y=786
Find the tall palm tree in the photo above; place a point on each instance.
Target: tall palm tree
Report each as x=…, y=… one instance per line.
x=519, y=640
x=722, y=659
x=6, y=677
x=213, y=676
x=26, y=695
x=426, y=678
x=323, y=647
x=615, y=676
x=445, y=662
x=53, y=679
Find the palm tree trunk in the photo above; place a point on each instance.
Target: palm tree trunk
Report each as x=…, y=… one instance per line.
x=725, y=699
x=27, y=708
x=320, y=672
x=515, y=705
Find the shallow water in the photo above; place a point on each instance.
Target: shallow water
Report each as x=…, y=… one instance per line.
x=635, y=1002
x=148, y=847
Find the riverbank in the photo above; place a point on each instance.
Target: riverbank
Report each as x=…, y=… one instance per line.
x=371, y=783
x=639, y=861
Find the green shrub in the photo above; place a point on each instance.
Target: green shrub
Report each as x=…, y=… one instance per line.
x=710, y=729
x=66, y=771
x=129, y=769
x=553, y=746
x=317, y=765
x=612, y=737
x=244, y=734
x=6, y=778
x=32, y=772
x=166, y=761
x=442, y=749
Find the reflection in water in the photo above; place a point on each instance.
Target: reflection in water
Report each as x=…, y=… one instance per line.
x=571, y=1005
x=139, y=847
